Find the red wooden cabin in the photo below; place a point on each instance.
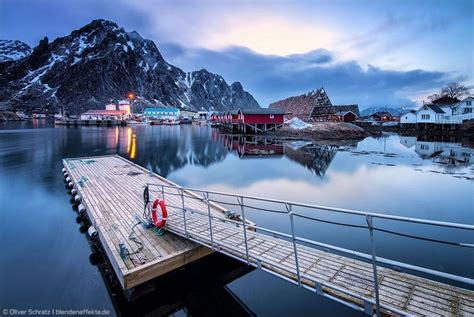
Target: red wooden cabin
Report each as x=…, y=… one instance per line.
x=260, y=119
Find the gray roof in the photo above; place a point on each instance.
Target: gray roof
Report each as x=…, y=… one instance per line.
x=234, y=111
x=263, y=111
x=345, y=108
x=435, y=108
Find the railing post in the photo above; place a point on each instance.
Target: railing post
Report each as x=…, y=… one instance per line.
x=241, y=202
x=206, y=196
x=289, y=208
x=369, y=218
x=184, y=211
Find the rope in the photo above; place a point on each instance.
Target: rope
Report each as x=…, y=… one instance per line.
x=137, y=241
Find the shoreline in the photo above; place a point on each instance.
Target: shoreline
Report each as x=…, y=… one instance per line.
x=325, y=131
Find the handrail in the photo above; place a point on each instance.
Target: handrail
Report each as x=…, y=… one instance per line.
x=290, y=211
x=335, y=209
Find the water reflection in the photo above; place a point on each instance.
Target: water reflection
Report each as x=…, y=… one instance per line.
x=450, y=154
x=316, y=158
x=379, y=175
x=173, y=294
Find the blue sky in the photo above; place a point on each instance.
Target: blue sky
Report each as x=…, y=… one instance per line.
x=367, y=52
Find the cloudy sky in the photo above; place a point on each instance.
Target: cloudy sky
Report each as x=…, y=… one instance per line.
x=367, y=52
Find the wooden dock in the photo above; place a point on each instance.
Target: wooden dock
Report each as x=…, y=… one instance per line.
x=111, y=188
x=77, y=122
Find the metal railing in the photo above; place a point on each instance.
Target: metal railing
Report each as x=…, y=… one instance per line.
x=241, y=202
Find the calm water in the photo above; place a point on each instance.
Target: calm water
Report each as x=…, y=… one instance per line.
x=45, y=261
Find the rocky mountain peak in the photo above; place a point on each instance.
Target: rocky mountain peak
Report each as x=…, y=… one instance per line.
x=101, y=61
x=13, y=50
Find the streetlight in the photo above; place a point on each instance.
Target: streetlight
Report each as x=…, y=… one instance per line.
x=131, y=97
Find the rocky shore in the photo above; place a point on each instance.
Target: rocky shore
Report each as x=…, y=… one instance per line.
x=325, y=131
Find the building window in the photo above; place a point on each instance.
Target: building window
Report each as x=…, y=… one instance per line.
x=272, y=116
x=425, y=116
x=424, y=147
x=469, y=103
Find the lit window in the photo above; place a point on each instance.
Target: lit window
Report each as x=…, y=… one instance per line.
x=272, y=116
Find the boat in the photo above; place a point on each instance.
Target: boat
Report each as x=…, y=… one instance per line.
x=137, y=122
x=200, y=122
x=171, y=122
x=185, y=121
x=164, y=122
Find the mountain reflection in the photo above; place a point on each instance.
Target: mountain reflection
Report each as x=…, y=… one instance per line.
x=166, y=149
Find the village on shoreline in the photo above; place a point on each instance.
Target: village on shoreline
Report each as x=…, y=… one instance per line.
x=310, y=116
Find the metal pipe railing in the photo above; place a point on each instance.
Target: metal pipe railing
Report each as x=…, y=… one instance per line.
x=191, y=193
x=334, y=209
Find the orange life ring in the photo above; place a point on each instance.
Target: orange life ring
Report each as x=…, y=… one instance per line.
x=159, y=223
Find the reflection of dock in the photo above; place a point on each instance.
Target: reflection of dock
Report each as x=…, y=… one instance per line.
x=111, y=189
x=207, y=295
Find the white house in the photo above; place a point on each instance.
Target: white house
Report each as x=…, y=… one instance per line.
x=105, y=115
x=125, y=105
x=430, y=114
x=448, y=109
x=465, y=106
x=408, y=118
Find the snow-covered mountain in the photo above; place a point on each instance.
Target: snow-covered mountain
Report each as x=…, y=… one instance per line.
x=100, y=62
x=13, y=50
x=396, y=111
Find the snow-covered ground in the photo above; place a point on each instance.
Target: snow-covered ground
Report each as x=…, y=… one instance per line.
x=297, y=124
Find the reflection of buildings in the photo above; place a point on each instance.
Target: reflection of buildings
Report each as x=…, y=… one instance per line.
x=408, y=141
x=446, y=153
x=316, y=158
x=248, y=146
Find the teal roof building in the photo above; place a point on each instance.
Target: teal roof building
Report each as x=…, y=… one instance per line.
x=161, y=112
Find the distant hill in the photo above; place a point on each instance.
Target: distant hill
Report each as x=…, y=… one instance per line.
x=396, y=111
x=100, y=62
